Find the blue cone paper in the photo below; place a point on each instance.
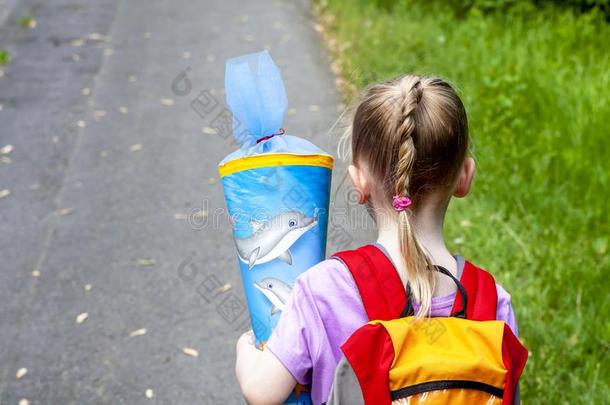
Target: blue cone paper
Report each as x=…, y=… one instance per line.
x=277, y=191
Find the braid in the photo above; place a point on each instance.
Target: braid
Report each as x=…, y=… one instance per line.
x=410, y=97
x=417, y=262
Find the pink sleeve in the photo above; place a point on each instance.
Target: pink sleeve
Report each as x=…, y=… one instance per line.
x=504, y=311
x=293, y=341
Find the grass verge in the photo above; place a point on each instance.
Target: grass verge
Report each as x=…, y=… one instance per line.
x=536, y=86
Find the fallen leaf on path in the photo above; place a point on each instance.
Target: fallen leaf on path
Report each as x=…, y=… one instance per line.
x=167, y=101
x=199, y=214
x=190, y=352
x=123, y=109
x=6, y=149
x=65, y=211
x=77, y=42
x=132, y=78
x=80, y=124
x=80, y=318
x=314, y=108
x=28, y=22
x=24, y=401
x=138, y=332
x=146, y=262
x=186, y=55
x=212, y=180
x=99, y=114
x=88, y=287
x=103, y=154
x=108, y=51
x=149, y=393
x=55, y=139
x=225, y=288
x=292, y=111
x=211, y=58
x=94, y=36
x=86, y=91
x=209, y=130
x=136, y=147
x=76, y=57
x=35, y=273
x=5, y=193
x=21, y=372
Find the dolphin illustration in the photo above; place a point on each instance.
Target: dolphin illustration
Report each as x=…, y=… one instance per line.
x=276, y=291
x=272, y=239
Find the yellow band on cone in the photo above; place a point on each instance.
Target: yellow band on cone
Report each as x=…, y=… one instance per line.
x=274, y=159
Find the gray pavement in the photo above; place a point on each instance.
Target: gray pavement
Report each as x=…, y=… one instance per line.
x=113, y=160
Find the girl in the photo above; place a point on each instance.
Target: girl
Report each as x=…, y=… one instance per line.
x=409, y=143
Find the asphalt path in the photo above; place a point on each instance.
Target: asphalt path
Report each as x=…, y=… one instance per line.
x=118, y=274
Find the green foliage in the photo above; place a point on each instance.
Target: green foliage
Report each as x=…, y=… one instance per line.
x=5, y=57
x=462, y=7
x=536, y=86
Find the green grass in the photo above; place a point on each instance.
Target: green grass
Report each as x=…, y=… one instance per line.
x=5, y=57
x=536, y=84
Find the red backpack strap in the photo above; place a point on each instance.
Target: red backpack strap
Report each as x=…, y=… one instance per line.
x=379, y=285
x=514, y=355
x=481, y=294
x=370, y=352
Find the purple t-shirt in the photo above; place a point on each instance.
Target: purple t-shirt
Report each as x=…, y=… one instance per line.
x=323, y=311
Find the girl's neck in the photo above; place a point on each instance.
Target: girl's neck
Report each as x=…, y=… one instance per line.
x=428, y=228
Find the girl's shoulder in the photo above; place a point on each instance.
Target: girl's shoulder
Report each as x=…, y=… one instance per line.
x=328, y=275
x=503, y=295
x=329, y=286
x=504, y=310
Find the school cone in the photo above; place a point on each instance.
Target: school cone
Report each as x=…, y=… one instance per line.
x=277, y=190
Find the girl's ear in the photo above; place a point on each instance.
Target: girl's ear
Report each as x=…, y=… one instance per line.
x=360, y=182
x=464, y=182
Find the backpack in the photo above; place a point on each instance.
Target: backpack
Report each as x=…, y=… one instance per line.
x=466, y=358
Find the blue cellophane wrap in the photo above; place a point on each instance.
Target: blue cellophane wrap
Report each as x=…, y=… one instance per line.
x=257, y=98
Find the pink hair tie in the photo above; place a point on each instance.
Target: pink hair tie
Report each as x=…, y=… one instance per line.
x=401, y=203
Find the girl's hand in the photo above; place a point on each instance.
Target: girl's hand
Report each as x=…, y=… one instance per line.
x=263, y=379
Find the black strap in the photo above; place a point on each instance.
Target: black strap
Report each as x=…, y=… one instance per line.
x=409, y=311
x=462, y=312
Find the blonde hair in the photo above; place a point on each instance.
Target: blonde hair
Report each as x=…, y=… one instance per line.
x=412, y=132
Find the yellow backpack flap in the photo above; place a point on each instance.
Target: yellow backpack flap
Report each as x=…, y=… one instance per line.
x=436, y=361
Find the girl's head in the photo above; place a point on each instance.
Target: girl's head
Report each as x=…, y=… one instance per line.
x=409, y=138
